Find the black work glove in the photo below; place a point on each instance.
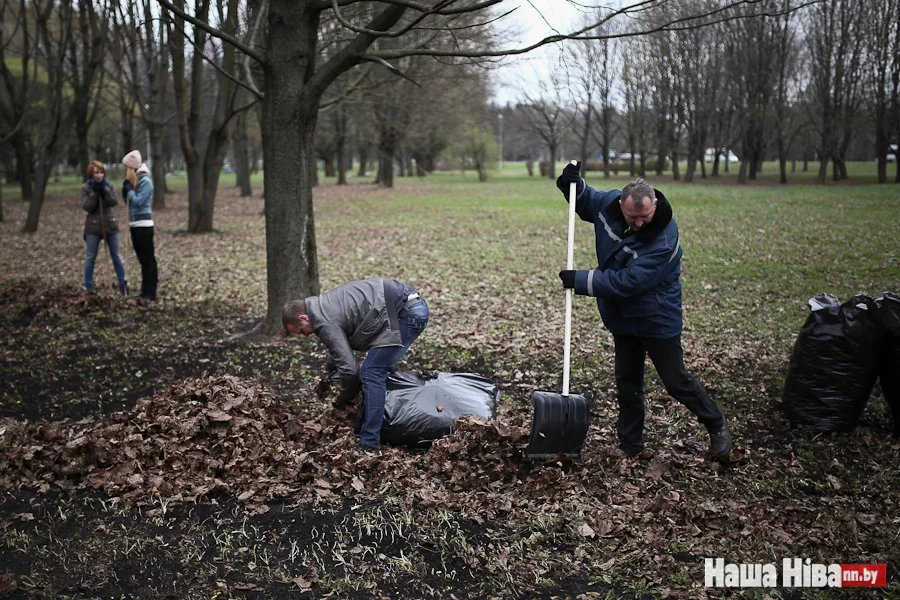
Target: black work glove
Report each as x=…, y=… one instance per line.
x=568, y=279
x=323, y=387
x=126, y=187
x=347, y=395
x=571, y=174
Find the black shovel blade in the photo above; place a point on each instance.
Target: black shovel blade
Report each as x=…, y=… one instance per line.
x=560, y=424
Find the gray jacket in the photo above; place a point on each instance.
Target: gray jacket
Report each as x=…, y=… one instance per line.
x=358, y=315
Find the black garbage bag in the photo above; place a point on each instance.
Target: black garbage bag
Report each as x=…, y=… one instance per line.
x=834, y=364
x=418, y=410
x=889, y=314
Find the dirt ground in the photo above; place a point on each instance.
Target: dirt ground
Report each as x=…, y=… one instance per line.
x=152, y=451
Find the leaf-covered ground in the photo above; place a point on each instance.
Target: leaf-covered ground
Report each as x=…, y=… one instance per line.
x=154, y=451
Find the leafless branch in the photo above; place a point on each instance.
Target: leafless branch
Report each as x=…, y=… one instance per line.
x=218, y=33
x=693, y=22
x=326, y=4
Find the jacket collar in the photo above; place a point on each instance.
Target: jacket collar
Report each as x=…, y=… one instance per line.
x=660, y=219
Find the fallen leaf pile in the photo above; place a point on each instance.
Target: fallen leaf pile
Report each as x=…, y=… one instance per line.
x=214, y=434
x=29, y=298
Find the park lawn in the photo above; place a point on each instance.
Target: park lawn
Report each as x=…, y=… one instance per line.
x=470, y=517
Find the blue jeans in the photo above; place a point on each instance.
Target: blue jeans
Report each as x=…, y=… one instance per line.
x=93, y=246
x=380, y=363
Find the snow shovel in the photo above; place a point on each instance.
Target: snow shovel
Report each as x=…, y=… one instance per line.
x=561, y=421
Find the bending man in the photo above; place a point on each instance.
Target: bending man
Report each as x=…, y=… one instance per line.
x=381, y=316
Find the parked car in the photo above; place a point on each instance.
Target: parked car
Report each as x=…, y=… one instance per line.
x=710, y=156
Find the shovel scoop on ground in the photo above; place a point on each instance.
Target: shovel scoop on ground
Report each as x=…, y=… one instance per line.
x=561, y=421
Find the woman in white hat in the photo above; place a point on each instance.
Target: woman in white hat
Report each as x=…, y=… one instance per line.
x=138, y=189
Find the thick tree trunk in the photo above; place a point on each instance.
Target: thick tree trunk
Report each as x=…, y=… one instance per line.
x=676, y=169
x=289, y=123
x=551, y=169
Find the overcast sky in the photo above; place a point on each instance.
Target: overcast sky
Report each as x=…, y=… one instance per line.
x=535, y=19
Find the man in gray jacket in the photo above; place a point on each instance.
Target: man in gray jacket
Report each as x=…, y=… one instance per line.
x=381, y=316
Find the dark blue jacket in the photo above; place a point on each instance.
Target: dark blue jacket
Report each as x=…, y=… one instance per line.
x=637, y=283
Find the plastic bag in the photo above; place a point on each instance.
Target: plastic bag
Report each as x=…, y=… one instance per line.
x=418, y=410
x=834, y=364
x=889, y=314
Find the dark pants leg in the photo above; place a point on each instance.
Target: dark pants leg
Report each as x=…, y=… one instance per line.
x=668, y=358
x=142, y=241
x=379, y=364
x=629, y=372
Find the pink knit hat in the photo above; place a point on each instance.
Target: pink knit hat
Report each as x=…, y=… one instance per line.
x=132, y=159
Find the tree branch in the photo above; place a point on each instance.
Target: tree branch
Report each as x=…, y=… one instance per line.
x=323, y=5
x=580, y=34
x=213, y=31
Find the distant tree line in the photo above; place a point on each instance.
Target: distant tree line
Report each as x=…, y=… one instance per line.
x=813, y=82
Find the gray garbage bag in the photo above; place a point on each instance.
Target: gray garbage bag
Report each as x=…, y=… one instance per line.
x=834, y=364
x=418, y=411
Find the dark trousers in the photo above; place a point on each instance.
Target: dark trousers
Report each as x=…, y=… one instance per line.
x=142, y=241
x=668, y=358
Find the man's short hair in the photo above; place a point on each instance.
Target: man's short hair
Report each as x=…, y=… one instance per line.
x=290, y=312
x=638, y=190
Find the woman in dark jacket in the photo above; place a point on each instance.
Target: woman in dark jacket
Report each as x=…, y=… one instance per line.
x=98, y=197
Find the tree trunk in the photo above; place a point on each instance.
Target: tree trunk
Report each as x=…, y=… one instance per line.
x=158, y=166
x=24, y=162
x=660, y=161
x=676, y=170
x=328, y=159
x=363, y=159
x=551, y=168
x=341, y=163
x=340, y=143
x=195, y=195
x=386, y=149
x=242, y=156
x=82, y=146
x=823, y=170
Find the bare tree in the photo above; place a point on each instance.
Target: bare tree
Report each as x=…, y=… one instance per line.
x=883, y=71
x=84, y=69
x=37, y=101
x=835, y=43
x=14, y=103
x=636, y=89
x=543, y=113
x=205, y=149
x=148, y=59
x=787, y=125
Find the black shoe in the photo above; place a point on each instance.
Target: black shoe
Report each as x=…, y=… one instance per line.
x=720, y=443
x=367, y=449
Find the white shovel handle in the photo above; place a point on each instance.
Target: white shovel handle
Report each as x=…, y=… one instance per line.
x=570, y=262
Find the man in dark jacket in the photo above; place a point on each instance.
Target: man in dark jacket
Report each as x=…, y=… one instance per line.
x=381, y=316
x=638, y=289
